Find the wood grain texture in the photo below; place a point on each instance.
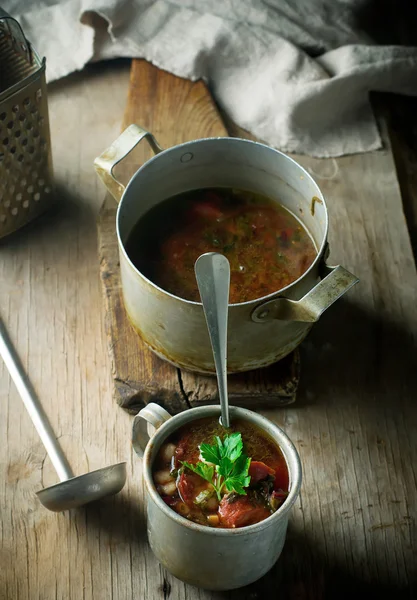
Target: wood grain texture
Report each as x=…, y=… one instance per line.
x=403, y=134
x=352, y=534
x=175, y=111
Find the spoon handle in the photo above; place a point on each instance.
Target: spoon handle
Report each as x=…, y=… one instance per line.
x=33, y=405
x=212, y=272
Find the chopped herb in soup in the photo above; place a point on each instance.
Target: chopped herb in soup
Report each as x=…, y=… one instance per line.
x=267, y=247
x=221, y=477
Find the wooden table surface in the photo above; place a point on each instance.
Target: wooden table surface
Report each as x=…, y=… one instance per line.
x=353, y=529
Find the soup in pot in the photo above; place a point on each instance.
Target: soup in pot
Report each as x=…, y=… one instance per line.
x=267, y=246
x=221, y=477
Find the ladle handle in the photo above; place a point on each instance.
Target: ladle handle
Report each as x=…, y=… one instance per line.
x=33, y=406
x=212, y=272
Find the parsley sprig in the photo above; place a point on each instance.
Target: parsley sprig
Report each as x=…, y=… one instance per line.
x=229, y=466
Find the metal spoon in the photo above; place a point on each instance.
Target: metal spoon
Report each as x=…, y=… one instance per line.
x=72, y=491
x=212, y=271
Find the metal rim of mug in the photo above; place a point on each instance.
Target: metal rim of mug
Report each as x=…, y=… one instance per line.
x=229, y=140
x=195, y=413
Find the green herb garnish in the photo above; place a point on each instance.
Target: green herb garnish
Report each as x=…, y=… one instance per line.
x=231, y=465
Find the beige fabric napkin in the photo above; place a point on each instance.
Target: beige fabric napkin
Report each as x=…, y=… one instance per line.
x=296, y=73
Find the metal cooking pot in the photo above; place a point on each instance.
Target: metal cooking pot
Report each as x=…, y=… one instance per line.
x=261, y=331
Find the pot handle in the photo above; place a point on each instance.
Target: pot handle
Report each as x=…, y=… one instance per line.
x=309, y=308
x=153, y=415
x=125, y=143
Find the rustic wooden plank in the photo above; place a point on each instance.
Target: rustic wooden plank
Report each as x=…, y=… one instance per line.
x=403, y=135
x=175, y=110
x=138, y=375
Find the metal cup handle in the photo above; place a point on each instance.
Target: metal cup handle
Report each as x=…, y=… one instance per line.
x=309, y=308
x=120, y=148
x=152, y=415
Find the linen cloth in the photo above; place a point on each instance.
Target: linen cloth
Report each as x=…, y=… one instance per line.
x=295, y=73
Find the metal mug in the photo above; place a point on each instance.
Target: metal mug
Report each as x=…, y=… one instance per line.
x=210, y=558
x=261, y=331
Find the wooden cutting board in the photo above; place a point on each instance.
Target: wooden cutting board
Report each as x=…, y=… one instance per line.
x=174, y=110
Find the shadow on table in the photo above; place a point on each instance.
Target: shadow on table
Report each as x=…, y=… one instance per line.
x=304, y=573
x=62, y=216
x=120, y=518
x=353, y=352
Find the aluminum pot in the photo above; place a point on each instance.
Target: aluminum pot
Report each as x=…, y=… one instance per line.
x=261, y=331
x=215, y=559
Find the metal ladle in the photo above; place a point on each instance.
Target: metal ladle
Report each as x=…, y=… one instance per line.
x=212, y=271
x=72, y=491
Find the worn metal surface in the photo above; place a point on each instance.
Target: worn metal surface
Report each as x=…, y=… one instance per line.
x=232, y=557
x=175, y=328
x=311, y=306
x=119, y=149
x=26, y=186
x=72, y=491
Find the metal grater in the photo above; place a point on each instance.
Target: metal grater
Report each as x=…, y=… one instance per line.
x=25, y=148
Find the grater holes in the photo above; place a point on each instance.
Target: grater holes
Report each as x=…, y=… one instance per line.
x=41, y=182
x=30, y=189
x=34, y=110
x=29, y=125
x=5, y=141
x=10, y=125
x=36, y=134
x=14, y=211
x=26, y=101
x=2, y=218
x=31, y=149
x=2, y=116
x=24, y=142
x=13, y=150
x=6, y=203
x=20, y=158
x=25, y=203
x=37, y=197
x=47, y=190
x=15, y=108
x=17, y=133
x=1, y=157
x=41, y=121
x=19, y=197
x=23, y=182
x=22, y=118
x=38, y=95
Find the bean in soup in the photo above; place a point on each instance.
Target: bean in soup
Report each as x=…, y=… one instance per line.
x=221, y=478
x=267, y=247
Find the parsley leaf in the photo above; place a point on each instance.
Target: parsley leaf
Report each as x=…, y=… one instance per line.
x=233, y=446
x=205, y=471
x=210, y=453
x=231, y=466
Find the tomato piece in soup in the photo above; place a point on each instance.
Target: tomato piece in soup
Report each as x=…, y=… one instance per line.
x=241, y=511
x=258, y=471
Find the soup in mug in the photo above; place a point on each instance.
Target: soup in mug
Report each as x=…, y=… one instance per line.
x=267, y=247
x=221, y=477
